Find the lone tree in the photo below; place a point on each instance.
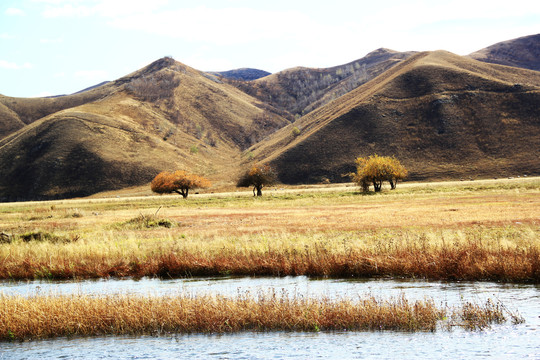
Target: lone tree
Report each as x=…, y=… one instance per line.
x=376, y=169
x=258, y=176
x=179, y=182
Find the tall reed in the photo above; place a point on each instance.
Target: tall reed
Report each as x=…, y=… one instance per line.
x=47, y=316
x=477, y=253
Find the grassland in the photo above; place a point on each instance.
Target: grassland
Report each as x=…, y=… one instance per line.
x=448, y=231
x=453, y=231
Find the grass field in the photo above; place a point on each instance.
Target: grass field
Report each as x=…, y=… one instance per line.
x=481, y=230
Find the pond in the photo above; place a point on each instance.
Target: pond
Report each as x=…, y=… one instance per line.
x=501, y=341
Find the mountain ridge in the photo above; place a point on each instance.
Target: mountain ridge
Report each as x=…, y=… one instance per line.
x=523, y=52
x=444, y=115
x=379, y=117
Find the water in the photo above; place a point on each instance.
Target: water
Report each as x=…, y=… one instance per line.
x=505, y=341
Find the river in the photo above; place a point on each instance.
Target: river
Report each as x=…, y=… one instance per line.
x=504, y=341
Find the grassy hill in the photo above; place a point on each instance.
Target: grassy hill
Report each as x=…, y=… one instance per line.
x=523, y=52
x=443, y=115
x=163, y=117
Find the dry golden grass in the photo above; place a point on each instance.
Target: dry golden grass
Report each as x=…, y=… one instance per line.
x=456, y=232
x=47, y=316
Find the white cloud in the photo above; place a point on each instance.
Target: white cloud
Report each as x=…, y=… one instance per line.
x=51, y=41
x=92, y=75
x=54, y=2
x=68, y=10
x=14, y=66
x=126, y=7
x=227, y=26
x=6, y=36
x=14, y=12
x=105, y=8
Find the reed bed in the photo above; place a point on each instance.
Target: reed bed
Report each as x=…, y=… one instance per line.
x=503, y=254
x=47, y=316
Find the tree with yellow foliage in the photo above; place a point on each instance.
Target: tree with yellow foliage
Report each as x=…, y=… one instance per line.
x=258, y=176
x=399, y=172
x=179, y=182
x=376, y=169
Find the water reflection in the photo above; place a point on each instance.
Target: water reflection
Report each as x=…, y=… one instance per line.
x=504, y=341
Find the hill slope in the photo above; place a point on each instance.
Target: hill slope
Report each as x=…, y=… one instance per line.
x=15, y=113
x=301, y=90
x=163, y=117
x=443, y=115
x=523, y=52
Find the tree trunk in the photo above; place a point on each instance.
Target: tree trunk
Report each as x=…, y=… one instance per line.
x=259, y=190
x=183, y=192
x=365, y=186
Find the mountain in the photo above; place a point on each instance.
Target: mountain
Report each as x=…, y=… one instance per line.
x=165, y=116
x=301, y=90
x=243, y=74
x=442, y=115
x=523, y=52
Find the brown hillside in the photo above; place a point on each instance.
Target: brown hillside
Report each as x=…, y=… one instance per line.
x=523, y=52
x=443, y=115
x=163, y=117
x=10, y=121
x=76, y=154
x=301, y=90
x=28, y=110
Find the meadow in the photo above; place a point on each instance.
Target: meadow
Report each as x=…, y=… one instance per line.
x=444, y=231
x=472, y=231
x=476, y=231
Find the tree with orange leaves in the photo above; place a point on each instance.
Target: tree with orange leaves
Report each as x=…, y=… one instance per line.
x=258, y=176
x=179, y=182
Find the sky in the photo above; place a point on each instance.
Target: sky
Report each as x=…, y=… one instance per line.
x=53, y=47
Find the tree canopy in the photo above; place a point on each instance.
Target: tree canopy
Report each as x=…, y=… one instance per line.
x=376, y=169
x=258, y=176
x=179, y=182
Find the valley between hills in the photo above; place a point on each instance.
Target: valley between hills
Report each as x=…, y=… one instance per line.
x=444, y=116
